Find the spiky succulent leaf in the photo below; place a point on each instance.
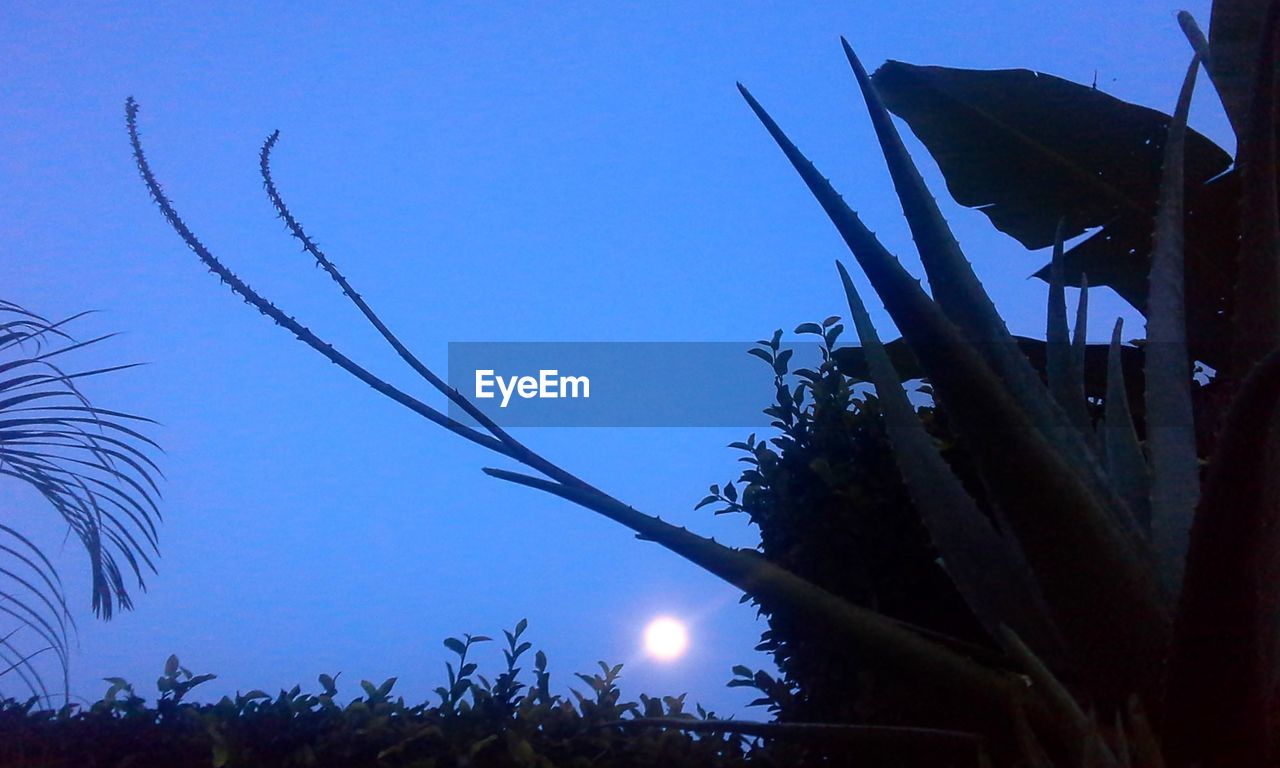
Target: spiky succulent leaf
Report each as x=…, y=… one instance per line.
x=1080, y=333
x=1066, y=379
x=1126, y=463
x=1175, y=475
x=1108, y=605
x=956, y=288
x=1234, y=55
x=989, y=571
x=1223, y=669
x=962, y=298
x=1256, y=317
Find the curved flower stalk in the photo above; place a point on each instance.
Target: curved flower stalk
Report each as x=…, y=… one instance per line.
x=981, y=695
x=90, y=465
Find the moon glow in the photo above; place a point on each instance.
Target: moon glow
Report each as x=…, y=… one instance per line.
x=666, y=639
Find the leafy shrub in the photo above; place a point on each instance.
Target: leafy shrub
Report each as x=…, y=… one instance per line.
x=831, y=507
x=478, y=722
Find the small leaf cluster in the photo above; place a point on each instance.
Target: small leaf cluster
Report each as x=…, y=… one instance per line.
x=830, y=506
x=477, y=722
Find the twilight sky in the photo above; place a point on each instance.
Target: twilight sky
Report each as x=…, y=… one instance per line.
x=480, y=172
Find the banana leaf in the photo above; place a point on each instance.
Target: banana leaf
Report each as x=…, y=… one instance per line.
x=1027, y=148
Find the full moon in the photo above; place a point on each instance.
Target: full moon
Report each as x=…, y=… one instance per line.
x=666, y=638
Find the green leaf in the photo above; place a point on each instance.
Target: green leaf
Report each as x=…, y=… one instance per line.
x=1234, y=45
x=988, y=571
x=1171, y=444
x=1126, y=463
x=809, y=328
x=780, y=362
x=1079, y=334
x=961, y=297
x=1026, y=147
x=1223, y=669
x=1222, y=672
x=1256, y=320
x=455, y=645
x=1066, y=381
x=386, y=686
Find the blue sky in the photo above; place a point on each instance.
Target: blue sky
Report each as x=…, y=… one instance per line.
x=481, y=172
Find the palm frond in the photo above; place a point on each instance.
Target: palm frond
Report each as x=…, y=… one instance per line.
x=92, y=469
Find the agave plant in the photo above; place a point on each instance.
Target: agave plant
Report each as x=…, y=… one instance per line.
x=91, y=467
x=1132, y=603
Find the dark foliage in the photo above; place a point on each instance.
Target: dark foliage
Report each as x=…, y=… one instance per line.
x=1027, y=148
x=477, y=722
x=831, y=507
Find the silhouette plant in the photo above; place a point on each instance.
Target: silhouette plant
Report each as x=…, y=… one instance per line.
x=91, y=467
x=830, y=506
x=1165, y=629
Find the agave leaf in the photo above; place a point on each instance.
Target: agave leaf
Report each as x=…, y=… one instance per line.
x=1066, y=380
x=1031, y=751
x=852, y=362
x=987, y=569
x=1199, y=43
x=1234, y=55
x=1222, y=670
x=1122, y=742
x=1145, y=747
x=1257, y=290
x=1175, y=471
x=956, y=288
x=1125, y=461
x=962, y=298
x=1222, y=674
x=1080, y=333
x=1118, y=256
x=1042, y=678
x=1107, y=605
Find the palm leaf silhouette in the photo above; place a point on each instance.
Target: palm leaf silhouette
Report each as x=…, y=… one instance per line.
x=91, y=467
